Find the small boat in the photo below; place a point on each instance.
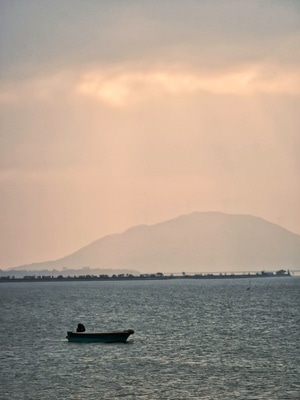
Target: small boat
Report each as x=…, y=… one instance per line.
x=104, y=337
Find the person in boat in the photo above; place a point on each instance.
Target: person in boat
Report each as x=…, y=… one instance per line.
x=80, y=328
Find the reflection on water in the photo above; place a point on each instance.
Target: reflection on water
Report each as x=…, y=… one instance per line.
x=193, y=340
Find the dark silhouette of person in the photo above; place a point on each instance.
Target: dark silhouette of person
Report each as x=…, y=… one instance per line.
x=80, y=328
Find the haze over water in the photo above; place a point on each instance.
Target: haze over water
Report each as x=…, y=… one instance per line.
x=193, y=340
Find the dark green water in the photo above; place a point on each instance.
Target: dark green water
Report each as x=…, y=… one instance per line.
x=193, y=340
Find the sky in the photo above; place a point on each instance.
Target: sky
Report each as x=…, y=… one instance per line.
x=119, y=113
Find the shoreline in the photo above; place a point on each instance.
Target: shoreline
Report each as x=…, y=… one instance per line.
x=157, y=276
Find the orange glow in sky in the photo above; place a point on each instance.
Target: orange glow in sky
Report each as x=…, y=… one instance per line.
x=145, y=112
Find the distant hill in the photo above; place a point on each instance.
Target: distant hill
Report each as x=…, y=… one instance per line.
x=198, y=242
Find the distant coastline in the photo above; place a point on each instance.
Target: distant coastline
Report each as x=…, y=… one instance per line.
x=157, y=276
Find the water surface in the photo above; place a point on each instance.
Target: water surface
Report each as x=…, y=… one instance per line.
x=194, y=339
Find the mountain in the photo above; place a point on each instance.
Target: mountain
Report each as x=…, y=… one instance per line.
x=198, y=242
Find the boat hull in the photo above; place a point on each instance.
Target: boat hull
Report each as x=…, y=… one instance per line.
x=99, y=337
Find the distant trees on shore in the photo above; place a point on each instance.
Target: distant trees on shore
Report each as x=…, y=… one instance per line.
x=157, y=276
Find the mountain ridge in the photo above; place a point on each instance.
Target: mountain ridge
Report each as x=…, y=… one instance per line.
x=200, y=242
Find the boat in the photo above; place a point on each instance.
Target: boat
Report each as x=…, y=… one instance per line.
x=103, y=337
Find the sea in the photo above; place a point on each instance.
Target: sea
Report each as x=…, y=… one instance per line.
x=194, y=339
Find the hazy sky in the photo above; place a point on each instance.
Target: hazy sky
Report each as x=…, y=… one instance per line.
x=119, y=113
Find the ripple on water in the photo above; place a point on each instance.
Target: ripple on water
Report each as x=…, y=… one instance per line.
x=193, y=340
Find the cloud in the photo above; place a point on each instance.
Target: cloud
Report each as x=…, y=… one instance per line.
x=121, y=88
x=126, y=86
x=209, y=34
x=108, y=116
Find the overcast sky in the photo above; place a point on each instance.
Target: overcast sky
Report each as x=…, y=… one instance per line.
x=119, y=113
